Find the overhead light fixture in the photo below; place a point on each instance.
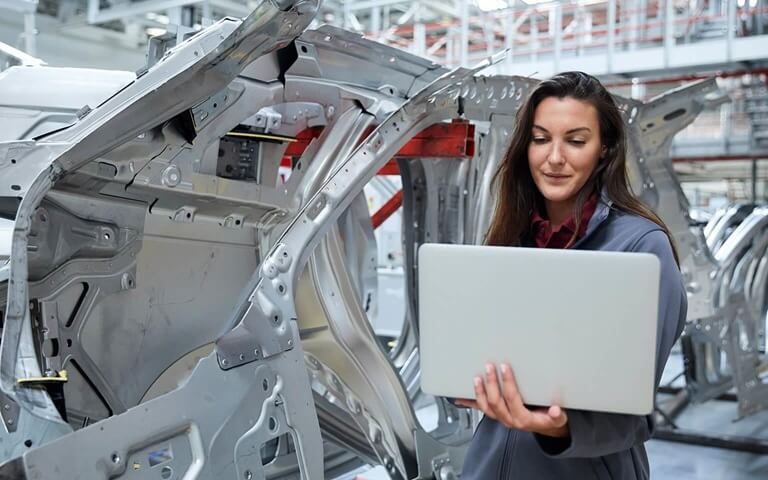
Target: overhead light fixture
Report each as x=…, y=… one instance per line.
x=155, y=31
x=491, y=5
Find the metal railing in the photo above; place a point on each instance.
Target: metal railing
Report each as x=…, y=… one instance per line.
x=558, y=30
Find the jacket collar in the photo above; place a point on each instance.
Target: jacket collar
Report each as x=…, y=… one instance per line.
x=601, y=214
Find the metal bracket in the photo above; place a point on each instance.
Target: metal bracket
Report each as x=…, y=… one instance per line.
x=209, y=108
x=263, y=330
x=442, y=468
x=9, y=412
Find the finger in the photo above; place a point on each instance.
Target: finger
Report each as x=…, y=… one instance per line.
x=493, y=391
x=500, y=408
x=513, y=398
x=558, y=415
x=545, y=419
x=481, y=398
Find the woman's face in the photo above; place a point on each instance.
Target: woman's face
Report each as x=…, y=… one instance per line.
x=564, y=149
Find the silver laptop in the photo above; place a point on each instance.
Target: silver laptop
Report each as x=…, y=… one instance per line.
x=578, y=327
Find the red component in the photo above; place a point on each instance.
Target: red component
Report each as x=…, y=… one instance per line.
x=442, y=140
x=387, y=209
x=295, y=149
x=390, y=168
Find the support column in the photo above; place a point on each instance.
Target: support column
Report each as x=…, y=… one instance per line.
x=624, y=21
x=713, y=7
x=633, y=29
x=174, y=16
x=347, y=15
x=30, y=34
x=726, y=120
x=754, y=180
x=642, y=20
x=669, y=30
x=464, y=35
x=419, y=39
x=376, y=20
x=557, y=24
x=509, y=36
x=638, y=89
x=581, y=30
x=93, y=10
x=731, y=29
x=611, y=40
x=490, y=39
x=188, y=16
x=207, y=14
x=534, y=38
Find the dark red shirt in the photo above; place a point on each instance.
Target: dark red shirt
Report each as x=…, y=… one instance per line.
x=545, y=236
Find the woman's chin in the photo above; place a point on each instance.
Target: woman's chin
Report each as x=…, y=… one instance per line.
x=556, y=195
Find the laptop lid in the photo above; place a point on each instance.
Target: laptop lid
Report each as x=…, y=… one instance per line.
x=577, y=327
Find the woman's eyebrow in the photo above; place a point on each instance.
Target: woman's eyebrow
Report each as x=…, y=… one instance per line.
x=569, y=131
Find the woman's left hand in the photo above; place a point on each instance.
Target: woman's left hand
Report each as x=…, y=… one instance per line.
x=502, y=402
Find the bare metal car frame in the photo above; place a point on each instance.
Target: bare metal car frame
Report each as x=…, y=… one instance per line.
x=215, y=322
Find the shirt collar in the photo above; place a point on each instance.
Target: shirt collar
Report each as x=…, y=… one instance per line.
x=547, y=235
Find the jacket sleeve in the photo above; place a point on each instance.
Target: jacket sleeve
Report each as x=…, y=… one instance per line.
x=594, y=434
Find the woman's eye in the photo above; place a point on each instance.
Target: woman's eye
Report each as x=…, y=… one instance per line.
x=539, y=139
x=578, y=142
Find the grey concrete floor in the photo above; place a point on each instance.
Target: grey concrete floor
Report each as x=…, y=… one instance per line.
x=677, y=461
x=690, y=462
x=674, y=461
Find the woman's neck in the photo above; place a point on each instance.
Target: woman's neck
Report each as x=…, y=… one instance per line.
x=559, y=212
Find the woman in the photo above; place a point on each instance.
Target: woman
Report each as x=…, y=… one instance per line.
x=563, y=184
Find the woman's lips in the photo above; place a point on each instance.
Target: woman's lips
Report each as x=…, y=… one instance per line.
x=556, y=177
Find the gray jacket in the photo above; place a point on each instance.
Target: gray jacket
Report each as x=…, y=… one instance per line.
x=601, y=445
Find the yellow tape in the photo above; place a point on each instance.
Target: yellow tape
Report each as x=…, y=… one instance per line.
x=61, y=377
x=262, y=136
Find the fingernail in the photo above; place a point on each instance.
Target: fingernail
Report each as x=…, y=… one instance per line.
x=489, y=369
x=505, y=368
x=478, y=381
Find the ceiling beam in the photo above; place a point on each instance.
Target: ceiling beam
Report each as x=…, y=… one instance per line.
x=369, y=4
x=448, y=8
x=124, y=10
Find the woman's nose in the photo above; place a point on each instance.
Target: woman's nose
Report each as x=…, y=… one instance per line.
x=555, y=156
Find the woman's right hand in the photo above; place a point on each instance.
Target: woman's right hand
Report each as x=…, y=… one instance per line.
x=502, y=402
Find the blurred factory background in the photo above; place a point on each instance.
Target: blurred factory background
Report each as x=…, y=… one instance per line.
x=638, y=48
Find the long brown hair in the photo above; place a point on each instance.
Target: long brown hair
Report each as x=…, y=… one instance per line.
x=517, y=195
